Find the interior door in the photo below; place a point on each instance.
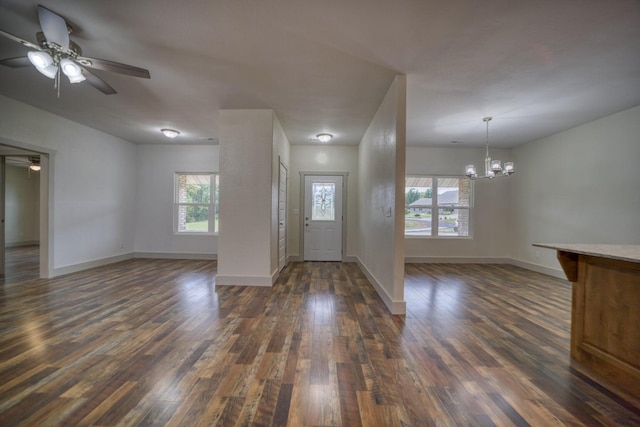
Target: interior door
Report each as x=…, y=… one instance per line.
x=323, y=218
x=282, y=218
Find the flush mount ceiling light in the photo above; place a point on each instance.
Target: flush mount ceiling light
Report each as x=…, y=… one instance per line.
x=170, y=133
x=324, y=137
x=492, y=168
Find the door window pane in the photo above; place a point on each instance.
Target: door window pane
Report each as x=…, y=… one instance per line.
x=323, y=201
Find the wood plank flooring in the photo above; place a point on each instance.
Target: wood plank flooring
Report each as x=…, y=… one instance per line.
x=154, y=342
x=21, y=263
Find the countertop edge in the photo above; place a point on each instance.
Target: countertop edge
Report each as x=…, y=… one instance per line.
x=630, y=253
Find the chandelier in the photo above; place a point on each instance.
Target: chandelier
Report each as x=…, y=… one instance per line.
x=492, y=168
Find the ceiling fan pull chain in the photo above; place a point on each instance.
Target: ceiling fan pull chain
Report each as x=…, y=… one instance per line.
x=57, y=82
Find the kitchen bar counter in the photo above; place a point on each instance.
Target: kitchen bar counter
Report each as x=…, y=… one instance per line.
x=605, y=312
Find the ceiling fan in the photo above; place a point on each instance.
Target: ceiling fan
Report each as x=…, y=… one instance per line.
x=55, y=53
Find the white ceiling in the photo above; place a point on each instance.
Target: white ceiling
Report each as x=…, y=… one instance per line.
x=538, y=67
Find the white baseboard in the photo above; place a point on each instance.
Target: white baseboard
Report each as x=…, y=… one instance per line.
x=456, y=260
x=488, y=260
x=538, y=268
x=174, y=255
x=298, y=258
x=244, y=280
x=74, y=268
x=23, y=243
x=394, y=306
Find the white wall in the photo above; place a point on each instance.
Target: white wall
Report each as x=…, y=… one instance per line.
x=381, y=172
x=22, y=204
x=323, y=158
x=490, y=218
x=281, y=153
x=156, y=166
x=246, y=163
x=93, y=176
x=578, y=186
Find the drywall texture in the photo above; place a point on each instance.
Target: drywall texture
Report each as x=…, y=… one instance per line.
x=490, y=217
x=323, y=159
x=244, y=241
x=381, y=205
x=93, y=198
x=22, y=205
x=578, y=186
x=156, y=167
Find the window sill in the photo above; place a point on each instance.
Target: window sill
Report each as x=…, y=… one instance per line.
x=192, y=233
x=409, y=236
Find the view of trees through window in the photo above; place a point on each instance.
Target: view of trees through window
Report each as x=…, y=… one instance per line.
x=197, y=207
x=450, y=197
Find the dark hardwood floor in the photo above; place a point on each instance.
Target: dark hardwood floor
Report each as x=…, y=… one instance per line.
x=21, y=263
x=153, y=342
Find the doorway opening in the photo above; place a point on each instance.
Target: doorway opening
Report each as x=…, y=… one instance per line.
x=24, y=212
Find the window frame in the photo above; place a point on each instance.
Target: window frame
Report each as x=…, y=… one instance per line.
x=213, y=205
x=436, y=206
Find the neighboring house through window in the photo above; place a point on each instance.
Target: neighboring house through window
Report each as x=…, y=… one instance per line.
x=437, y=206
x=196, y=203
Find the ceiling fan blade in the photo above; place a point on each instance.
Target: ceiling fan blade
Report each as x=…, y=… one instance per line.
x=97, y=82
x=115, y=67
x=21, y=61
x=19, y=40
x=54, y=27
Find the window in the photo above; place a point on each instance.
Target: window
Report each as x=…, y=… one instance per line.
x=196, y=203
x=438, y=206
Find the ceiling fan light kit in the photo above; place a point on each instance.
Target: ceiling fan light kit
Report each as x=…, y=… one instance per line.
x=55, y=53
x=72, y=71
x=35, y=164
x=492, y=168
x=43, y=63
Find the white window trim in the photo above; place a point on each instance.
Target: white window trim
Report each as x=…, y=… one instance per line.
x=435, y=208
x=213, y=205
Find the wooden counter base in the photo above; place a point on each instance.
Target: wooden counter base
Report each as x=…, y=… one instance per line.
x=605, y=319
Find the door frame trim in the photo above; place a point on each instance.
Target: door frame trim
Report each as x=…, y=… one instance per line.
x=303, y=175
x=281, y=165
x=47, y=156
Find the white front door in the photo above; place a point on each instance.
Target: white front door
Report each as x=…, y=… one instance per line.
x=282, y=218
x=323, y=218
